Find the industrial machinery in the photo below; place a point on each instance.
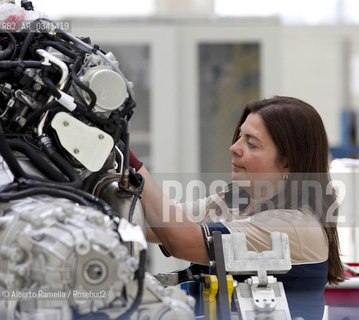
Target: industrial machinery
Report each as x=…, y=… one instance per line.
x=72, y=242
x=257, y=295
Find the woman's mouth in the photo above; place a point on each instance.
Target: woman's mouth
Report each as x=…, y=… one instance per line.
x=236, y=167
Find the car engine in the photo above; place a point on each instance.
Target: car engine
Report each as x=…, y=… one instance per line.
x=72, y=241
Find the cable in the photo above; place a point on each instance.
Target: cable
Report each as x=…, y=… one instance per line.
x=140, y=279
x=105, y=208
x=7, y=197
x=22, y=188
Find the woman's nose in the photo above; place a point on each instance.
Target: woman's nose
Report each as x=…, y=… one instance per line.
x=236, y=148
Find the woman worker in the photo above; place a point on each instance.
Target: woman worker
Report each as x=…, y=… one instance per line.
x=280, y=141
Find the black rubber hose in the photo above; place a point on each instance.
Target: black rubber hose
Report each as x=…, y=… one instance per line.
x=78, y=82
x=89, y=115
x=6, y=52
x=12, y=186
x=18, y=172
x=64, y=166
x=9, y=157
x=35, y=116
x=25, y=45
x=52, y=87
x=37, y=160
x=80, y=109
x=13, y=41
x=130, y=104
x=26, y=63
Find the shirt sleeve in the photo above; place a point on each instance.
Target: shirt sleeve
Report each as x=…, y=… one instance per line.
x=195, y=210
x=209, y=228
x=206, y=210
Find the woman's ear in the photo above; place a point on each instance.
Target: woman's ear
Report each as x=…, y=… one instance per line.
x=284, y=166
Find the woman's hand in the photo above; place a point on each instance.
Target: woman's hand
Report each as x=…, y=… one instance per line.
x=170, y=226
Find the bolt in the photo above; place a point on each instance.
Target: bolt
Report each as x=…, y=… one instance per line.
x=65, y=123
x=95, y=271
x=21, y=121
x=7, y=88
x=76, y=151
x=101, y=137
x=60, y=216
x=37, y=86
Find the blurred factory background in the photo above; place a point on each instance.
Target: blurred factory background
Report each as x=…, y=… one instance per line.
x=195, y=63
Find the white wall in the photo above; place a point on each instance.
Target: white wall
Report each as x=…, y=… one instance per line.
x=312, y=70
x=177, y=8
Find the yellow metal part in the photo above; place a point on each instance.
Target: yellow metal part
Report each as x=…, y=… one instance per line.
x=210, y=289
x=230, y=289
x=209, y=293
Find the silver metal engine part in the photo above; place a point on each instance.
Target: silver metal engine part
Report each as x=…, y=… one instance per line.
x=159, y=303
x=58, y=258
x=107, y=189
x=52, y=245
x=108, y=85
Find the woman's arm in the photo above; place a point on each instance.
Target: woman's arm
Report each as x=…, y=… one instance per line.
x=182, y=237
x=150, y=235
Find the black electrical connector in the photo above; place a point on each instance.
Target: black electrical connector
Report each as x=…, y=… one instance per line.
x=27, y=5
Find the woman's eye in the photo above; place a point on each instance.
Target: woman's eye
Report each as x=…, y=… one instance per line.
x=250, y=145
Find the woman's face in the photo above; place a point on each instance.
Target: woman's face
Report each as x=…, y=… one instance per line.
x=255, y=154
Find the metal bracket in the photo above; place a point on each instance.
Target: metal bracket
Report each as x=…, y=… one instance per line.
x=260, y=296
x=216, y=257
